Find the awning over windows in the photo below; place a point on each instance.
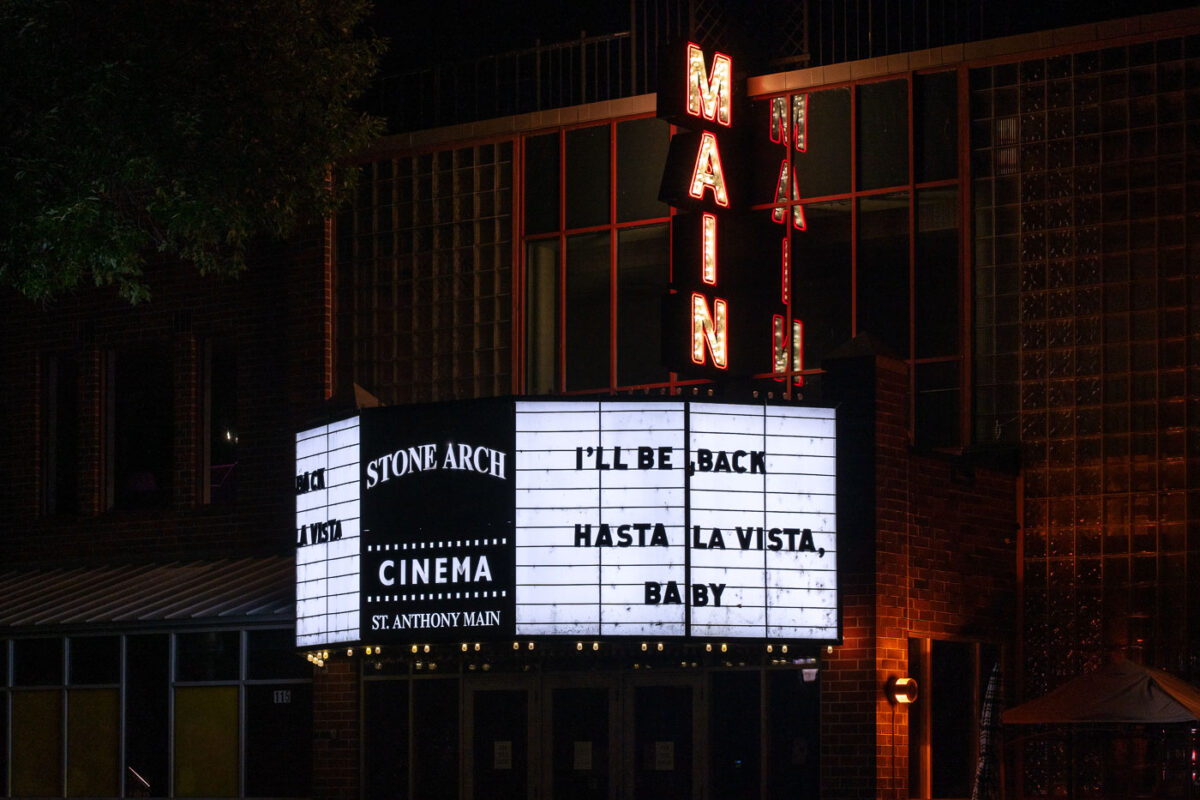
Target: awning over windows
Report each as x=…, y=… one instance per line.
x=237, y=591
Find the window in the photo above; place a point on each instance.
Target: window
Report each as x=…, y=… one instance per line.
x=141, y=427
x=874, y=242
x=220, y=403
x=60, y=434
x=882, y=121
x=147, y=714
x=592, y=313
x=238, y=710
x=424, y=273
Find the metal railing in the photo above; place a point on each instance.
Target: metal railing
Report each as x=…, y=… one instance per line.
x=585, y=70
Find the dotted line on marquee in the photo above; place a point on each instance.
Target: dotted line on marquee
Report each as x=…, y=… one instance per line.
x=403, y=598
x=381, y=548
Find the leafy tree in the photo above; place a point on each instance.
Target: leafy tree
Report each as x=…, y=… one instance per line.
x=187, y=127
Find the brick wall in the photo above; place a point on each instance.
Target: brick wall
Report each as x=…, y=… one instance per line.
x=336, y=730
x=928, y=550
x=277, y=316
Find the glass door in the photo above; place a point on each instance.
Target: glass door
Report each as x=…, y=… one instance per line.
x=500, y=739
x=663, y=724
x=581, y=727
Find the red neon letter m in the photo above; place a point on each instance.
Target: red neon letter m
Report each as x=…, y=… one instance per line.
x=709, y=95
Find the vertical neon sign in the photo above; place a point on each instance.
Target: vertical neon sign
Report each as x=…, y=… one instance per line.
x=710, y=98
x=699, y=99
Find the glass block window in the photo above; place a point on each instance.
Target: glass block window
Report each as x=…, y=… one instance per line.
x=1085, y=179
x=423, y=269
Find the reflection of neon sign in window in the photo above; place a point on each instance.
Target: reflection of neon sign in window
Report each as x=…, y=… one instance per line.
x=779, y=349
x=781, y=197
x=781, y=123
x=788, y=129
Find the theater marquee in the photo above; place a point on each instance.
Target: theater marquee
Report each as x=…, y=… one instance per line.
x=501, y=518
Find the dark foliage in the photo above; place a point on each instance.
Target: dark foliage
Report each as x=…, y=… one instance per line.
x=186, y=128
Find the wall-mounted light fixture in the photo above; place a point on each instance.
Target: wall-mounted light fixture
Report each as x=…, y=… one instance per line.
x=901, y=691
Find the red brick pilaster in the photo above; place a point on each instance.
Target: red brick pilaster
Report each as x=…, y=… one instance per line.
x=892, y=504
x=336, y=731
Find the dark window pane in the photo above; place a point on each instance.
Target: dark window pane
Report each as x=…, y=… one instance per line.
x=642, y=271
x=662, y=720
x=793, y=726
x=222, y=420
x=882, y=124
x=6, y=710
x=279, y=740
x=736, y=742
x=501, y=756
x=60, y=401
x=541, y=317
x=37, y=743
x=952, y=719
x=587, y=312
x=587, y=177
x=272, y=654
x=147, y=695
x=541, y=183
x=823, y=168
x=385, y=739
x=435, y=750
x=936, y=126
x=641, y=153
x=769, y=147
x=143, y=426
x=95, y=660
x=937, y=404
x=207, y=752
x=936, y=273
x=821, y=271
x=38, y=662
x=883, y=270
x=211, y=656
x=581, y=721
x=93, y=742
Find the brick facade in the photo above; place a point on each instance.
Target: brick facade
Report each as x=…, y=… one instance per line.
x=277, y=318
x=336, y=731
x=929, y=552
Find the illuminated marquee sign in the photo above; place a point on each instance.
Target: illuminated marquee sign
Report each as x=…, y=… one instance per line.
x=502, y=518
x=327, y=534
x=724, y=305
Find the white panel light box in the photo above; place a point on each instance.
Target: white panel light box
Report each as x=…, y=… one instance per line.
x=501, y=518
x=327, y=535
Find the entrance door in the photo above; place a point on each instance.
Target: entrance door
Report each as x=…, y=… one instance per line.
x=581, y=721
x=663, y=726
x=584, y=737
x=499, y=739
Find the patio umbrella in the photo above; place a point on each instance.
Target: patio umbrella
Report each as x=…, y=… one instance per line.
x=1120, y=692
